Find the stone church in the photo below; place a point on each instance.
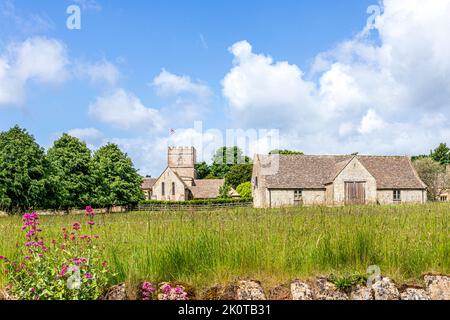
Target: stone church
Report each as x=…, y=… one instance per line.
x=179, y=182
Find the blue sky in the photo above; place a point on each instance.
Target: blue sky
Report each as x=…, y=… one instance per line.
x=307, y=68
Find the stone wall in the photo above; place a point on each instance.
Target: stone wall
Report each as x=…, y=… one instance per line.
x=433, y=287
x=407, y=196
x=354, y=171
x=285, y=198
x=329, y=195
x=259, y=192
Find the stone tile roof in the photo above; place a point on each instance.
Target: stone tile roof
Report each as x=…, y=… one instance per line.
x=392, y=172
x=148, y=183
x=206, y=189
x=314, y=172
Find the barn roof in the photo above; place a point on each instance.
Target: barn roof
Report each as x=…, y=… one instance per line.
x=314, y=172
x=392, y=172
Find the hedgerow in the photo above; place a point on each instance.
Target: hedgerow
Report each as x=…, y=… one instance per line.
x=194, y=202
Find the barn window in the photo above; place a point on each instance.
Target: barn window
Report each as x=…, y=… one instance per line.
x=173, y=188
x=443, y=198
x=298, y=197
x=397, y=196
x=256, y=182
x=163, y=191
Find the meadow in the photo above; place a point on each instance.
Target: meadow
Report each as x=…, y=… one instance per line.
x=274, y=246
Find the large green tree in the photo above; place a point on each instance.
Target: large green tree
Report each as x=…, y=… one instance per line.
x=238, y=174
x=117, y=182
x=70, y=162
x=433, y=174
x=224, y=159
x=23, y=171
x=230, y=156
x=202, y=170
x=441, y=154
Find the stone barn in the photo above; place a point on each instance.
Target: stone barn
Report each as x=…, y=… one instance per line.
x=296, y=180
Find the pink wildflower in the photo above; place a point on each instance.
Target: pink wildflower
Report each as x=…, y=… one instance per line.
x=88, y=275
x=63, y=272
x=76, y=226
x=166, y=289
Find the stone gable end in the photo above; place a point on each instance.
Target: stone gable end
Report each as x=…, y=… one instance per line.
x=354, y=172
x=168, y=177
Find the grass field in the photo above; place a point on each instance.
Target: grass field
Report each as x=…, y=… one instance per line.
x=273, y=246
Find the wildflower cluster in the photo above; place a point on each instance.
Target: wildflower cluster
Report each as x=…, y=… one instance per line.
x=147, y=291
x=173, y=293
x=69, y=268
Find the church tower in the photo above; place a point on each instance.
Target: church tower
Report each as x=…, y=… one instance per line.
x=182, y=160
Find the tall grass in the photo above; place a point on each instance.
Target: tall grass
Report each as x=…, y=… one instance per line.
x=206, y=248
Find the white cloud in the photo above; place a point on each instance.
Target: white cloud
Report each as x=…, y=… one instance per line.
x=168, y=84
x=101, y=71
x=256, y=85
x=86, y=134
x=371, y=122
x=387, y=91
x=124, y=110
x=39, y=58
x=190, y=101
x=36, y=59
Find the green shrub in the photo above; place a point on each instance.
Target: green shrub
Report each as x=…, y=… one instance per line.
x=193, y=202
x=347, y=282
x=245, y=190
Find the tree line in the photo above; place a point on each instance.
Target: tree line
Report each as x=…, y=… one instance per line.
x=67, y=176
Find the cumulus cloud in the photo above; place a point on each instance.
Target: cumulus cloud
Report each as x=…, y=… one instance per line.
x=86, y=134
x=101, y=71
x=188, y=100
x=386, y=90
x=371, y=122
x=168, y=84
x=257, y=84
x=36, y=59
x=124, y=110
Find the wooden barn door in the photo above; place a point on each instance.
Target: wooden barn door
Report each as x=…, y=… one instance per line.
x=355, y=193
